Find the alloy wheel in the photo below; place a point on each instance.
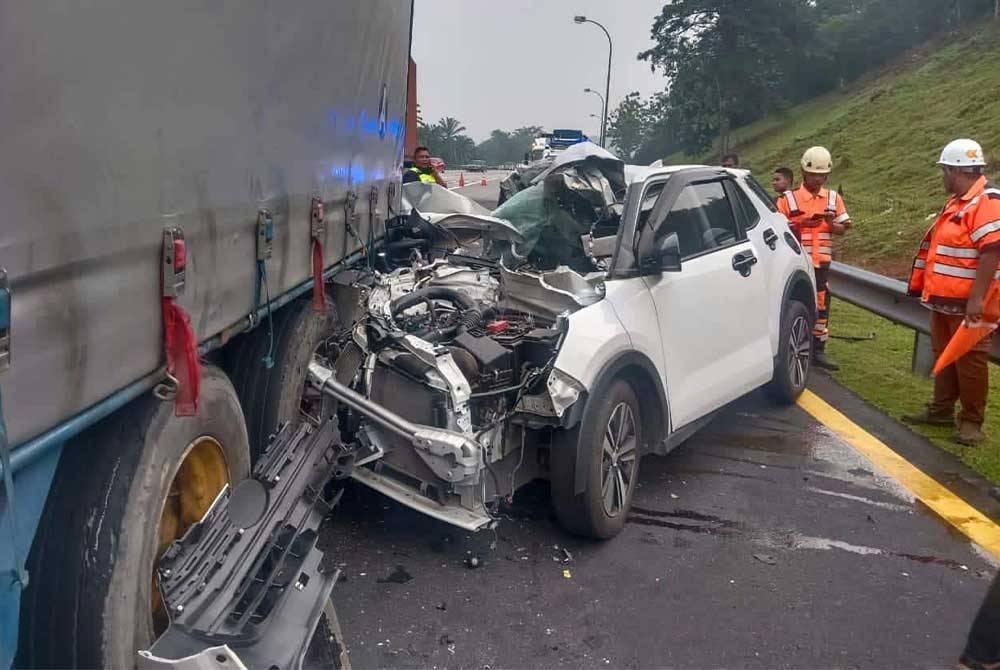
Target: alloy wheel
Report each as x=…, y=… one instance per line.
x=618, y=459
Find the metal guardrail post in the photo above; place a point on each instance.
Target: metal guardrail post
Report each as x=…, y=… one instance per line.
x=887, y=297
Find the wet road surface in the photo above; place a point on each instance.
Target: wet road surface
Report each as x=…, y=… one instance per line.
x=764, y=541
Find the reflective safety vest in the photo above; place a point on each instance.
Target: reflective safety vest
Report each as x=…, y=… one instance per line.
x=425, y=177
x=799, y=206
x=948, y=258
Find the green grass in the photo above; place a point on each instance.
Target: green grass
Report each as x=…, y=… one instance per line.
x=885, y=134
x=879, y=371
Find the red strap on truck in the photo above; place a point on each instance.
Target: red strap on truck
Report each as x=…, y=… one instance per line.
x=182, y=357
x=319, y=299
x=317, y=226
x=179, y=342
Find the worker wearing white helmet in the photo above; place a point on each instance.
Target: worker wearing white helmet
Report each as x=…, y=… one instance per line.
x=953, y=272
x=817, y=214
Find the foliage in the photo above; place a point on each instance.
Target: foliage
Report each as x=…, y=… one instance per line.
x=447, y=140
x=507, y=147
x=885, y=134
x=731, y=62
x=628, y=125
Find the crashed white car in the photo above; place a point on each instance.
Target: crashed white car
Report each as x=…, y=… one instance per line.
x=603, y=313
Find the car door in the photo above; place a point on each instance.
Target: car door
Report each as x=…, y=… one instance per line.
x=713, y=311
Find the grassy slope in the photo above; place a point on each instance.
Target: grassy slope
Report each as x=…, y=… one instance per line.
x=885, y=134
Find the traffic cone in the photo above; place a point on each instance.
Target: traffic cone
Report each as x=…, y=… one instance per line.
x=482, y=182
x=968, y=334
x=461, y=180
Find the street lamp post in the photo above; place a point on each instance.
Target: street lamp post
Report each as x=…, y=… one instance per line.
x=604, y=111
x=607, y=83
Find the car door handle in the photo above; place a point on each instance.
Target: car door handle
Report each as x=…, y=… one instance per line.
x=770, y=238
x=743, y=261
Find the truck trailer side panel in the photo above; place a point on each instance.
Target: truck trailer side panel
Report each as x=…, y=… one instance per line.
x=120, y=118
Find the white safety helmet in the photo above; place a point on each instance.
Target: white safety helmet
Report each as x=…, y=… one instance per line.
x=962, y=153
x=817, y=160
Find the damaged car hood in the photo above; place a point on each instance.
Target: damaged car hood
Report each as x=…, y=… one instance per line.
x=451, y=211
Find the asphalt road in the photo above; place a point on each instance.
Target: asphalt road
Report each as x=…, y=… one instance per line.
x=485, y=195
x=764, y=541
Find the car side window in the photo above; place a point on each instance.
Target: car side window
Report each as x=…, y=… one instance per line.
x=649, y=198
x=703, y=220
x=748, y=214
x=761, y=194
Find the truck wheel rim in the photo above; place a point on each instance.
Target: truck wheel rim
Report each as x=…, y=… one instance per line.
x=618, y=458
x=202, y=474
x=798, y=352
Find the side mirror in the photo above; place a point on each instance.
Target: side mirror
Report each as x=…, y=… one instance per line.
x=668, y=252
x=666, y=256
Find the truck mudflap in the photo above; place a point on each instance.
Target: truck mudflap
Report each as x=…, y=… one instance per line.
x=249, y=577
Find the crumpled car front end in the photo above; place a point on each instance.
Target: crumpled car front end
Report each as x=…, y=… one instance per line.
x=446, y=381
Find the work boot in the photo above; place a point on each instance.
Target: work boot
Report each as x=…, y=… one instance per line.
x=821, y=361
x=926, y=418
x=969, y=434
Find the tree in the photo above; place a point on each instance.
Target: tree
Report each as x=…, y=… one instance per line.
x=728, y=54
x=628, y=125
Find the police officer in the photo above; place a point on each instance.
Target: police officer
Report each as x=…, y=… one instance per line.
x=952, y=273
x=422, y=169
x=817, y=214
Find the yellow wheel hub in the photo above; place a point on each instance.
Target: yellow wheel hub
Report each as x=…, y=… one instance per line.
x=202, y=474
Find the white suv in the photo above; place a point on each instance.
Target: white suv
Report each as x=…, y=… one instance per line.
x=474, y=368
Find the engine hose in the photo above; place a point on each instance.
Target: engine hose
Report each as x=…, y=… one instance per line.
x=437, y=334
x=413, y=298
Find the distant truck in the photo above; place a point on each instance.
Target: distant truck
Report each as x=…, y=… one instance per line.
x=549, y=145
x=166, y=162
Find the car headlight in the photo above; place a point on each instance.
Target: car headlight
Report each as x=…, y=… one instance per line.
x=563, y=390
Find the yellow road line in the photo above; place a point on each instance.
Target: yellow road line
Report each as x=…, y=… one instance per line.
x=968, y=520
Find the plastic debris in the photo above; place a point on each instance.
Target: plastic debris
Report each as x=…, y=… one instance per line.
x=674, y=496
x=473, y=561
x=766, y=558
x=567, y=574
x=569, y=556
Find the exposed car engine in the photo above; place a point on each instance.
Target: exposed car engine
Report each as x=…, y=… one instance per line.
x=445, y=381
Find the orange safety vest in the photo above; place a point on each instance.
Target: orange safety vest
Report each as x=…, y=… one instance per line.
x=799, y=206
x=948, y=258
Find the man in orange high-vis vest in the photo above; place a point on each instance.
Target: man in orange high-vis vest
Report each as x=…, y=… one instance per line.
x=817, y=214
x=952, y=273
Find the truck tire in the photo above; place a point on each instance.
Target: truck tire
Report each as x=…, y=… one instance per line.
x=791, y=367
x=124, y=490
x=588, y=513
x=271, y=396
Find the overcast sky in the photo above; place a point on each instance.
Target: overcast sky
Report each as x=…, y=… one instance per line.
x=503, y=64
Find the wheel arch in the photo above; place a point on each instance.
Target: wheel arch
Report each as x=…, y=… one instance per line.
x=640, y=372
x=799, y=287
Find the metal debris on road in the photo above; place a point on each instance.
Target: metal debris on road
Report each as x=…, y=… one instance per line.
x=473, y=561
x=569, y=556
x=766, y=558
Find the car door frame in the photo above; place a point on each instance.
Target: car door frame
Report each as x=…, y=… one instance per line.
x=631, y=246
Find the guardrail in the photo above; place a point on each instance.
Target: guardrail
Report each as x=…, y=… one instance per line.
x=887, y=297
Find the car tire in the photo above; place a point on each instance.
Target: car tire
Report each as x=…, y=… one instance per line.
x=598, y=511
x=795, y=342
x=272, y=396
x=123, y=490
